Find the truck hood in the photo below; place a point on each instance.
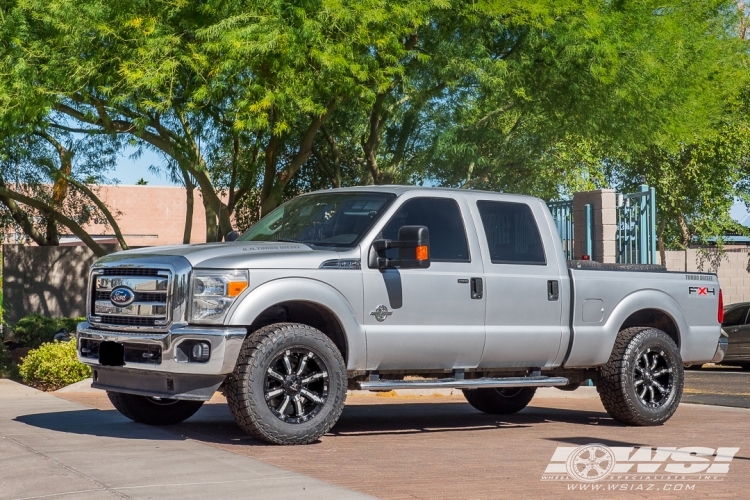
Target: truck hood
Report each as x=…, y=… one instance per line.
x=236, y=255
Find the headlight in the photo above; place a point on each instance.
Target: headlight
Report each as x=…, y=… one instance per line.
x=214, y=292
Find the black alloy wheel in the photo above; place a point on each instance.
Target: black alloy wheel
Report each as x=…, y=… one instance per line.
x=653, y=378
x=296, y=385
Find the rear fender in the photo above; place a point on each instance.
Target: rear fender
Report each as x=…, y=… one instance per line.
x=593, y=343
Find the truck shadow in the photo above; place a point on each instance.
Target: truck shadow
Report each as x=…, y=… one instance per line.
x=214, y=423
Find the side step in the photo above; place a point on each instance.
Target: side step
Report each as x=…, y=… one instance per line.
x=452, y=383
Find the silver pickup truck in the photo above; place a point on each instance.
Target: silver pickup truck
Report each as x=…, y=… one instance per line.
x=382, y=288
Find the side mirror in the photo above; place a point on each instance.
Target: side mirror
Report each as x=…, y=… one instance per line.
x=413, y=249
x=231, y=236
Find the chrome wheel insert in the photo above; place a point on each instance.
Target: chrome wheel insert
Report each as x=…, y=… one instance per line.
x=296, y=385
x=653, y=379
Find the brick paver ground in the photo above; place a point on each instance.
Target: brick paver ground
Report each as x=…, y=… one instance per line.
x=440, y=447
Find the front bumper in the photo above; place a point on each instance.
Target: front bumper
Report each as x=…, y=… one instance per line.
x=721, y=349
x=172, y=376
x=225, y=348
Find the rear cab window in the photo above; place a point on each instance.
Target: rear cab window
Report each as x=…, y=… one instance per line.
x=512, y=233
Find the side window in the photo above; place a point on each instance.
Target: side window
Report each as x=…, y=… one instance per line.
x=512, y=234
x=735, y=316
x=442, y=216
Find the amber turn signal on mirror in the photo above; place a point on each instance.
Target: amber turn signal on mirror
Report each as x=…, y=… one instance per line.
x=422, y=253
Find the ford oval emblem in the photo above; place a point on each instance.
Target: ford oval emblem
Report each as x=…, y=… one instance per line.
x=122, y=296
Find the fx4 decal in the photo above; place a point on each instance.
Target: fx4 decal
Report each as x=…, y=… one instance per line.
x=701, y=290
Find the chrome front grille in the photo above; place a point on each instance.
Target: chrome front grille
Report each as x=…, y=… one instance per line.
x=147, y=297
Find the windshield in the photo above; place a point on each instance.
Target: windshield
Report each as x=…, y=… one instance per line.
x=325, y=219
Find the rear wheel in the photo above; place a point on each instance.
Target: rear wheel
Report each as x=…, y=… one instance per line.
x=153, y=411
x=642, y=382
x=500, y=401
x=289, y=385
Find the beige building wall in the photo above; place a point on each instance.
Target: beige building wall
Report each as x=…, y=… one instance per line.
x=734, y=277
x=151, y=215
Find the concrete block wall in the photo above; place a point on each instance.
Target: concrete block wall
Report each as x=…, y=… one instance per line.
x=46, y=280
x=734, y=277
x=603, y=204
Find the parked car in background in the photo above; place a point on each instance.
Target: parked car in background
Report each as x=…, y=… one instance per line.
x=736, y=326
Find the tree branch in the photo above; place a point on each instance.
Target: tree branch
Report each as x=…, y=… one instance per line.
x=67, y=222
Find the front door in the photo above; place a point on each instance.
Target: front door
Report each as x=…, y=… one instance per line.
x=427, y=318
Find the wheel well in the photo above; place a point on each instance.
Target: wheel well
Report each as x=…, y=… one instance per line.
x=307, y=313
x=654, y=318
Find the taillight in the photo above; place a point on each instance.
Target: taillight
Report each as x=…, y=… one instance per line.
x=721, y=307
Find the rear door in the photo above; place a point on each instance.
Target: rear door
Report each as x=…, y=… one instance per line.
x=524, y=302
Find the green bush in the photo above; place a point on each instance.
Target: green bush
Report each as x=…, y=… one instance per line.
x=53, y=366
x=7, y=368
x=34, y=330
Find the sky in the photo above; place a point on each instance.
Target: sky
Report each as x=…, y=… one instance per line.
x=129, y=170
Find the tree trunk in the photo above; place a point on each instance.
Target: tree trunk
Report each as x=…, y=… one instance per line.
x=660, y=241
x=684, y=231
x=189, y=206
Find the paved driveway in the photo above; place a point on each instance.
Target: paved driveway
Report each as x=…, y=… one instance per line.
x=440, y=447
x=52, y=448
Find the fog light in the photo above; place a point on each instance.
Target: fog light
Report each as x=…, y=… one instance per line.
x=201, y=351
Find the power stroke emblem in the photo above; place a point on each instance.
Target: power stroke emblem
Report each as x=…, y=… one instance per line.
x=701, y=290
x=122, y=296
x=381, y=312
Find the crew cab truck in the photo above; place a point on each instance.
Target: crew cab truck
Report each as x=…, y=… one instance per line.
x=382, y=288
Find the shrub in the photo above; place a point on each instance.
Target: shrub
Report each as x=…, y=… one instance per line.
x=53, y=366
x=8, y=369
x=34, y=330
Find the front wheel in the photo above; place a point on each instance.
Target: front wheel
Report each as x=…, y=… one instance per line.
x=289, y=385
x=642, y=382
x=500, y=401
x=153, y=411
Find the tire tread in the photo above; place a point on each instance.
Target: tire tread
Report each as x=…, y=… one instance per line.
x=257, y=347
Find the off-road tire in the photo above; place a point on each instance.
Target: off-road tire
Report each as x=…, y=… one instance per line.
x=153, y=411
x=246, y=385
x=500, y=401
x=617, y=382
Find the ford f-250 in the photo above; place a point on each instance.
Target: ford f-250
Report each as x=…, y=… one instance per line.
x=382, y=288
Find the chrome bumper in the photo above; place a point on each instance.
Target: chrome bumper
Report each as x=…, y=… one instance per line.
x=225, y=348
x=721, y=349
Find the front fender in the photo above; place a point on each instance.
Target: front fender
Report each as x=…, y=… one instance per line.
x=257, y=300
x=593, y=343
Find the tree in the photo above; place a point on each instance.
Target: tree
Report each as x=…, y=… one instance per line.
x=256, y=101
x=40, y=188
x=141, y=182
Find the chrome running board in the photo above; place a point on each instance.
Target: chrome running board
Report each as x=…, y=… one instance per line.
x=452, y=383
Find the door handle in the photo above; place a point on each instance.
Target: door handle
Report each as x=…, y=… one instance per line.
x=477, y=288
x=553, y=290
